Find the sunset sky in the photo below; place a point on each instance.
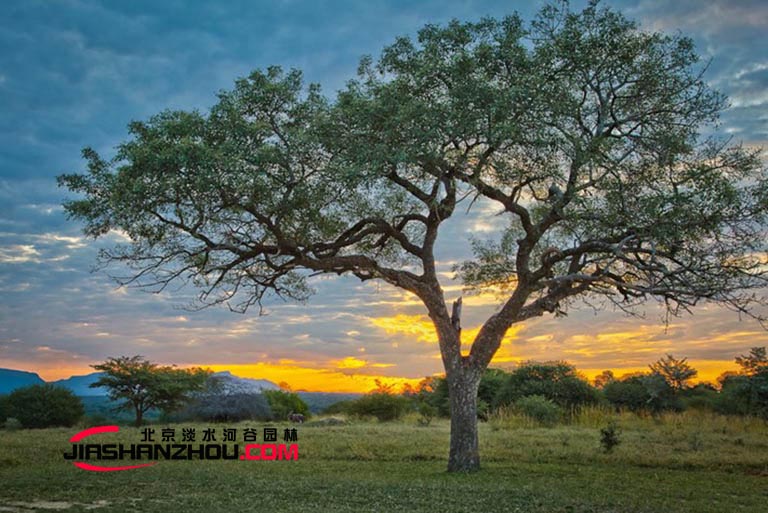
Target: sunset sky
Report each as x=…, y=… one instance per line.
x=74, y=73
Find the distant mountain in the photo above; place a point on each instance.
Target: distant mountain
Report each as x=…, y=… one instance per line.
x=80, y=385
x=10, y=380
x=228, y=383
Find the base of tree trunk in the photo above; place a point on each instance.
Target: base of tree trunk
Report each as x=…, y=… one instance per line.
x=464, y=454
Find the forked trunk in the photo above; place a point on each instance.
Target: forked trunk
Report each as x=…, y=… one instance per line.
x=464, y=454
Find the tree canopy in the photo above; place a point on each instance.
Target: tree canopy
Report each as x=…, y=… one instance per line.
x=591, y=137
x=677, y=372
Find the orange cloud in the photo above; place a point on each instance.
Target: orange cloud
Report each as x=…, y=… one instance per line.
x=421, y=328
x=350, y=362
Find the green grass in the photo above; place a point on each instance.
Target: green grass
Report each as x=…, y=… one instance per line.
x=686, y=462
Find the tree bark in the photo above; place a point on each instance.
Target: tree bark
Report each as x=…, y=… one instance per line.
x=139, y=415
x=464, y=455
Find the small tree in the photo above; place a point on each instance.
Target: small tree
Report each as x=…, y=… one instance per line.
x=676, y=372
x=754, y=362
x=603, y=379
x=747, y=391
x=284, y=403
x=42, y=406
x=141, y=385
x=582, y=130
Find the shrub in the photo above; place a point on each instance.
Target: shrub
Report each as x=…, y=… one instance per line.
x=339, y=407
x=642, y=392
x=609, y=437
x=540, y=409
x=426, y=413
x=12, y=424
x=701, y=397
x=383, y=406
x=42, y=406
x=5, y=408
x=559, y=382
x=283, y=404
x=490, y=384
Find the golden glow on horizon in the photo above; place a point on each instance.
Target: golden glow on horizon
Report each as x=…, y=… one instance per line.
x=314, y=380
x=622, y=349
x=341, y=380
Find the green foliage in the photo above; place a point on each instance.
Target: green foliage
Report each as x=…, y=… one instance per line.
x=434, y=391
x=642, y=393
x=746, y=393
x=12, y=424
x=284, y=403
x=490, y=383
x=558, y=381
x=609, y=437
x=756, y=361
x=384, y=407
x=427, y=412
x=703, y=396
x=603, y=379
x=140, y=385
x=339, y=407
x=42, y=406
x=5, y=407
x=539, y=408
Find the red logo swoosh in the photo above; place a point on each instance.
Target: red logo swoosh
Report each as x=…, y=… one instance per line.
x=98, y=468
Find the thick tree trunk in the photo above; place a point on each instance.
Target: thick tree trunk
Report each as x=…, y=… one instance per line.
x=464, y=454
x=139, y=416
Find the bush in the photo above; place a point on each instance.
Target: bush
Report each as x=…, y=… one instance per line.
x=283, y=404
x=42, y=406
x=642, y=392
x=540, y=409
x=5, y=408
x=744, y=395
x=559, y=382
x=609, y=436
x=338, y=407
x=384, y=407
x=490, y=384
x=701, y=397
x=12, y=424
x=426, y=413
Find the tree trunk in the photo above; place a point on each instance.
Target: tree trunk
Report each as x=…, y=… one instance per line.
x=464, y=454
x=139, y=416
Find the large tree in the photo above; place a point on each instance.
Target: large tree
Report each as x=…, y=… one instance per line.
x=582, y=130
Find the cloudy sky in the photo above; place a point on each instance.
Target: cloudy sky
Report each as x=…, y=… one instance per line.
x=74, y=73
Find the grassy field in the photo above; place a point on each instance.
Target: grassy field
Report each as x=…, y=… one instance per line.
x=686, y=462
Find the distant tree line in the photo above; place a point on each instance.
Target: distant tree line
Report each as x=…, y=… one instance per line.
x=551, y=390
x=136, y=385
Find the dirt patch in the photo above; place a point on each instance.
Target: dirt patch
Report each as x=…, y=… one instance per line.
x=27, y=507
